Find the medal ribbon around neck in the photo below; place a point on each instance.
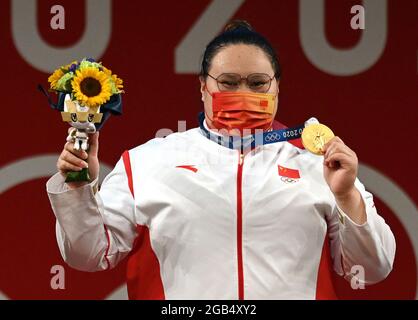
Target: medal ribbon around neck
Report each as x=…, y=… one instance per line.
x=253, y=140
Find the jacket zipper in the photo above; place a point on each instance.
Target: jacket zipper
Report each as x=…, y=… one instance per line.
x=239, y=229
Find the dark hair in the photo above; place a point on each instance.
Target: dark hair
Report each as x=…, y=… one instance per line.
x=239, y=32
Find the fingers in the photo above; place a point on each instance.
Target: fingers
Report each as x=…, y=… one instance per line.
x=64, y=166
x=72, y=159
x=337, y=159
x=71, y=133
x=333, y=141
x=76, y=160
x=337, y=154
x=335, y=148
x=336, y=145
x=69, y=146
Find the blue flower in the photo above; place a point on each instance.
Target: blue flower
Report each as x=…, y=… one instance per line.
x=73, y=67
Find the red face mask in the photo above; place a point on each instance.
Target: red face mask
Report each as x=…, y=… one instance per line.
x=242, y=110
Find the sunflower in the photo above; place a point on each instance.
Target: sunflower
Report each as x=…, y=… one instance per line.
x=53, y=78
x=91, y=87
x=116, y=83
x=107, y=71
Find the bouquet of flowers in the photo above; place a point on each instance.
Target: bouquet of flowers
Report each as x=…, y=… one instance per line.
x=88, y=93
x=88, y=82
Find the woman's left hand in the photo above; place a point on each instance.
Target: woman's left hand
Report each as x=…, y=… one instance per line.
x=340, y=167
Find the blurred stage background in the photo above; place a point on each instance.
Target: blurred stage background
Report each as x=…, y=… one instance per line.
x=362, y=83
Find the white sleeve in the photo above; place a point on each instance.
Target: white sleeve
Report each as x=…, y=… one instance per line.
x=370, y=247
x=94, y=230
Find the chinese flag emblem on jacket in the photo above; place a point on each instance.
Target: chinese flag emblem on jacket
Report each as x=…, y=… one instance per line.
x=288, y=173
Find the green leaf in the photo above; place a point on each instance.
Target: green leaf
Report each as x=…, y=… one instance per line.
x=87, y=64
x=62, y=83
x=113, y=88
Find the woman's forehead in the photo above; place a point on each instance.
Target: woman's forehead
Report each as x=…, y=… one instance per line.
x=242, y=59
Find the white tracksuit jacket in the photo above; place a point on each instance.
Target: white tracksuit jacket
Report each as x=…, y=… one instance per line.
x=207, y=223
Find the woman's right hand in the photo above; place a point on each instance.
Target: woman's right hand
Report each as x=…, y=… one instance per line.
x=76, y=160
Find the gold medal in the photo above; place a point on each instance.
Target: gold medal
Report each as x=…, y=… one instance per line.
x=315, y=136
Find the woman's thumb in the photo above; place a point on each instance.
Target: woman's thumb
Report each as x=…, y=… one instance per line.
x=94, y=144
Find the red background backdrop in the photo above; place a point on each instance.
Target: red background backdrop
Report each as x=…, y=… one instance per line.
x=374, y=111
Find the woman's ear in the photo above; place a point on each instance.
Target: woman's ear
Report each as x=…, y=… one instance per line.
x=278, y=87
x=202, y=87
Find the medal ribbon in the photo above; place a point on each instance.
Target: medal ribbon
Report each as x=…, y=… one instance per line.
x=251, y=141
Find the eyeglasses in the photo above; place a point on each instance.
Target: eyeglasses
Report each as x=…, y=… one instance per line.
x=257, y=82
